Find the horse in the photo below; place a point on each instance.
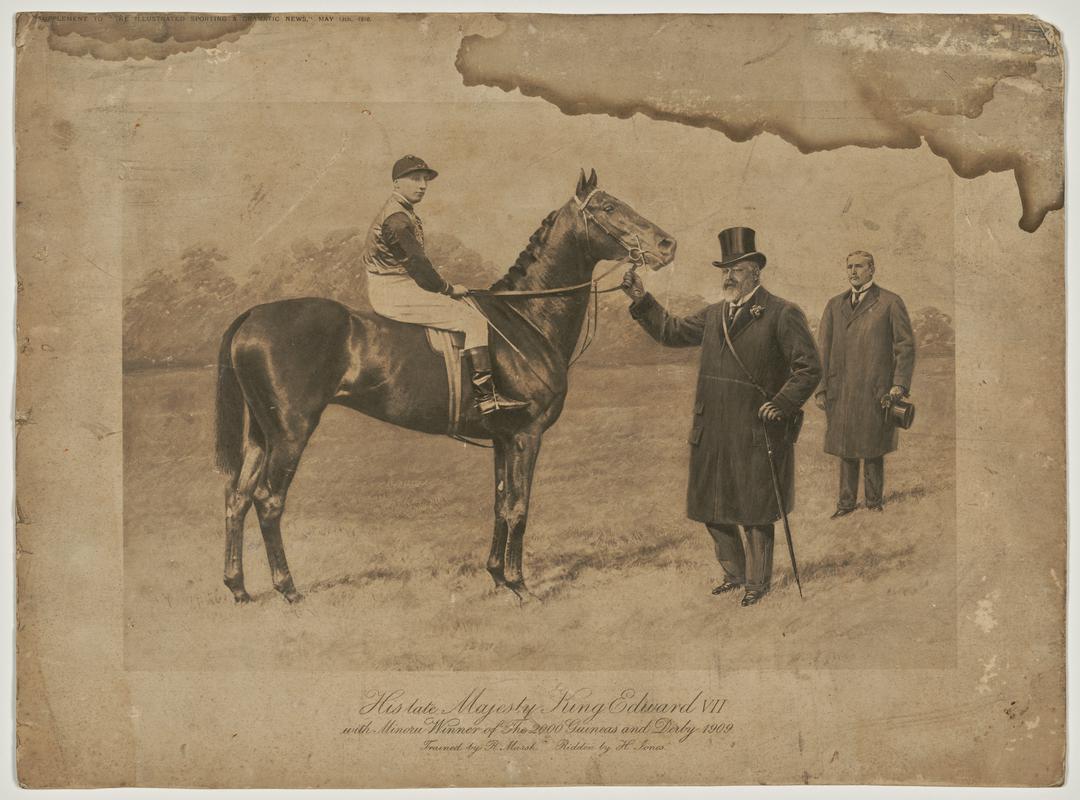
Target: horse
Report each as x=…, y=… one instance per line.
x=282, y=363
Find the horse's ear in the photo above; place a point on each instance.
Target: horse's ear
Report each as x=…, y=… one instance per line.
x=582, y=185
x=592, y=179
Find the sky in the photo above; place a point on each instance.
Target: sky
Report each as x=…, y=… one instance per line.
x=289, y=132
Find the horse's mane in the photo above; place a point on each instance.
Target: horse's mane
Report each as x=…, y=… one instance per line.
x=528, y=256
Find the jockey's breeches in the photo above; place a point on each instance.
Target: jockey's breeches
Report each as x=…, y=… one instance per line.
x=398, y=297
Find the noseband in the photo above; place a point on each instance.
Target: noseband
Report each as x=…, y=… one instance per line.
x=634, y=252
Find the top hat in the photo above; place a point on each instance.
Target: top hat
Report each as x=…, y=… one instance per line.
x=407, y=164
x=737, y=244
x=902, y=413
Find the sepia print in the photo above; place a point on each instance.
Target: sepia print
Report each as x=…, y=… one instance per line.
x=710, y=379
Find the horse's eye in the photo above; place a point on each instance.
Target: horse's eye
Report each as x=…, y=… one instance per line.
x=609, y=208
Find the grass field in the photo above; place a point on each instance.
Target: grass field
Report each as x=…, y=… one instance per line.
x=387, y=532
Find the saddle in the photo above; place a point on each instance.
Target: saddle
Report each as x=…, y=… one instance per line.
x=450, y=345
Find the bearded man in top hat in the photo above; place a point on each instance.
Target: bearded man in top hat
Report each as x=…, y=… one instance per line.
x=404, y=285
x=868, y=351
x=758, y=366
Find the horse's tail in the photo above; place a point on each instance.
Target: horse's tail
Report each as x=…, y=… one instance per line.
x=229, y=406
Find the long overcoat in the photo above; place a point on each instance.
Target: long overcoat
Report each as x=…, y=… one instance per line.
x=730, y=481
x=865, y=351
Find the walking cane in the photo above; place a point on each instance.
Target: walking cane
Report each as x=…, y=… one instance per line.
x=780, y=504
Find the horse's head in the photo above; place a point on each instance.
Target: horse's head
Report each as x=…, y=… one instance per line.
x=613, y=231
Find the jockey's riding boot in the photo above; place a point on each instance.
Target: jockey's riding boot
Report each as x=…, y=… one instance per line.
x=487, y=399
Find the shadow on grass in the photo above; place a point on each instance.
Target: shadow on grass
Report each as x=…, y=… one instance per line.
x=559, y=572
x=866, y=566
x=358, y=579
x=914, y=493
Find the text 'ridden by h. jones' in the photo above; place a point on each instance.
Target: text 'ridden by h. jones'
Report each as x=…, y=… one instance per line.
x=630, y=720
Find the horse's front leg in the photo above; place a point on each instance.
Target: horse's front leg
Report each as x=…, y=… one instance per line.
x=521, y=461
x=497, y=555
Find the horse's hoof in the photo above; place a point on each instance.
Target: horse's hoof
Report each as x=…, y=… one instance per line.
x=498, y=577
x=524, y=594
x=288, y=591
x=235, y=584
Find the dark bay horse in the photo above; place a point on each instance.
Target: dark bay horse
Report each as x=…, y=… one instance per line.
x=281, y=364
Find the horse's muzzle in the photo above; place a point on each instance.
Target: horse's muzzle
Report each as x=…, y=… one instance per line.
x=665, y=252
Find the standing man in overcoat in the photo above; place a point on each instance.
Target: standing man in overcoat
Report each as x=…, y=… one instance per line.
x=765, y=380
x=868, y=355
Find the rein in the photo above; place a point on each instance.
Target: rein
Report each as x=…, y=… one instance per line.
x=636, y=254
x=548, y=292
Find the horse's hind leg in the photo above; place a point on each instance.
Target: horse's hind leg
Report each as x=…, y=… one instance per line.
x=270, y=506
x=238, y=499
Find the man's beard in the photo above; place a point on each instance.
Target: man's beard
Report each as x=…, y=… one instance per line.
x=732, y=293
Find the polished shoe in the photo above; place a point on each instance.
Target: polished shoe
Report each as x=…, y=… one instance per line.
x=841, y=512
x=726, y=586
x=752, y=596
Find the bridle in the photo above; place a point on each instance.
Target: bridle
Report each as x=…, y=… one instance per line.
x=636, y=254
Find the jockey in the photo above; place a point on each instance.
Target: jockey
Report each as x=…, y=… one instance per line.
x=404, y=285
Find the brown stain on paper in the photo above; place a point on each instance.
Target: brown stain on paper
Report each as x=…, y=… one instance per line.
x=155, y=37
x=985, y=93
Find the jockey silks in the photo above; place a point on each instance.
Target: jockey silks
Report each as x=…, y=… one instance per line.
x=395, y=246
x=403, y=284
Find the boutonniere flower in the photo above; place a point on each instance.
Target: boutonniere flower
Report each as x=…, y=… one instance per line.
x=756, y=311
